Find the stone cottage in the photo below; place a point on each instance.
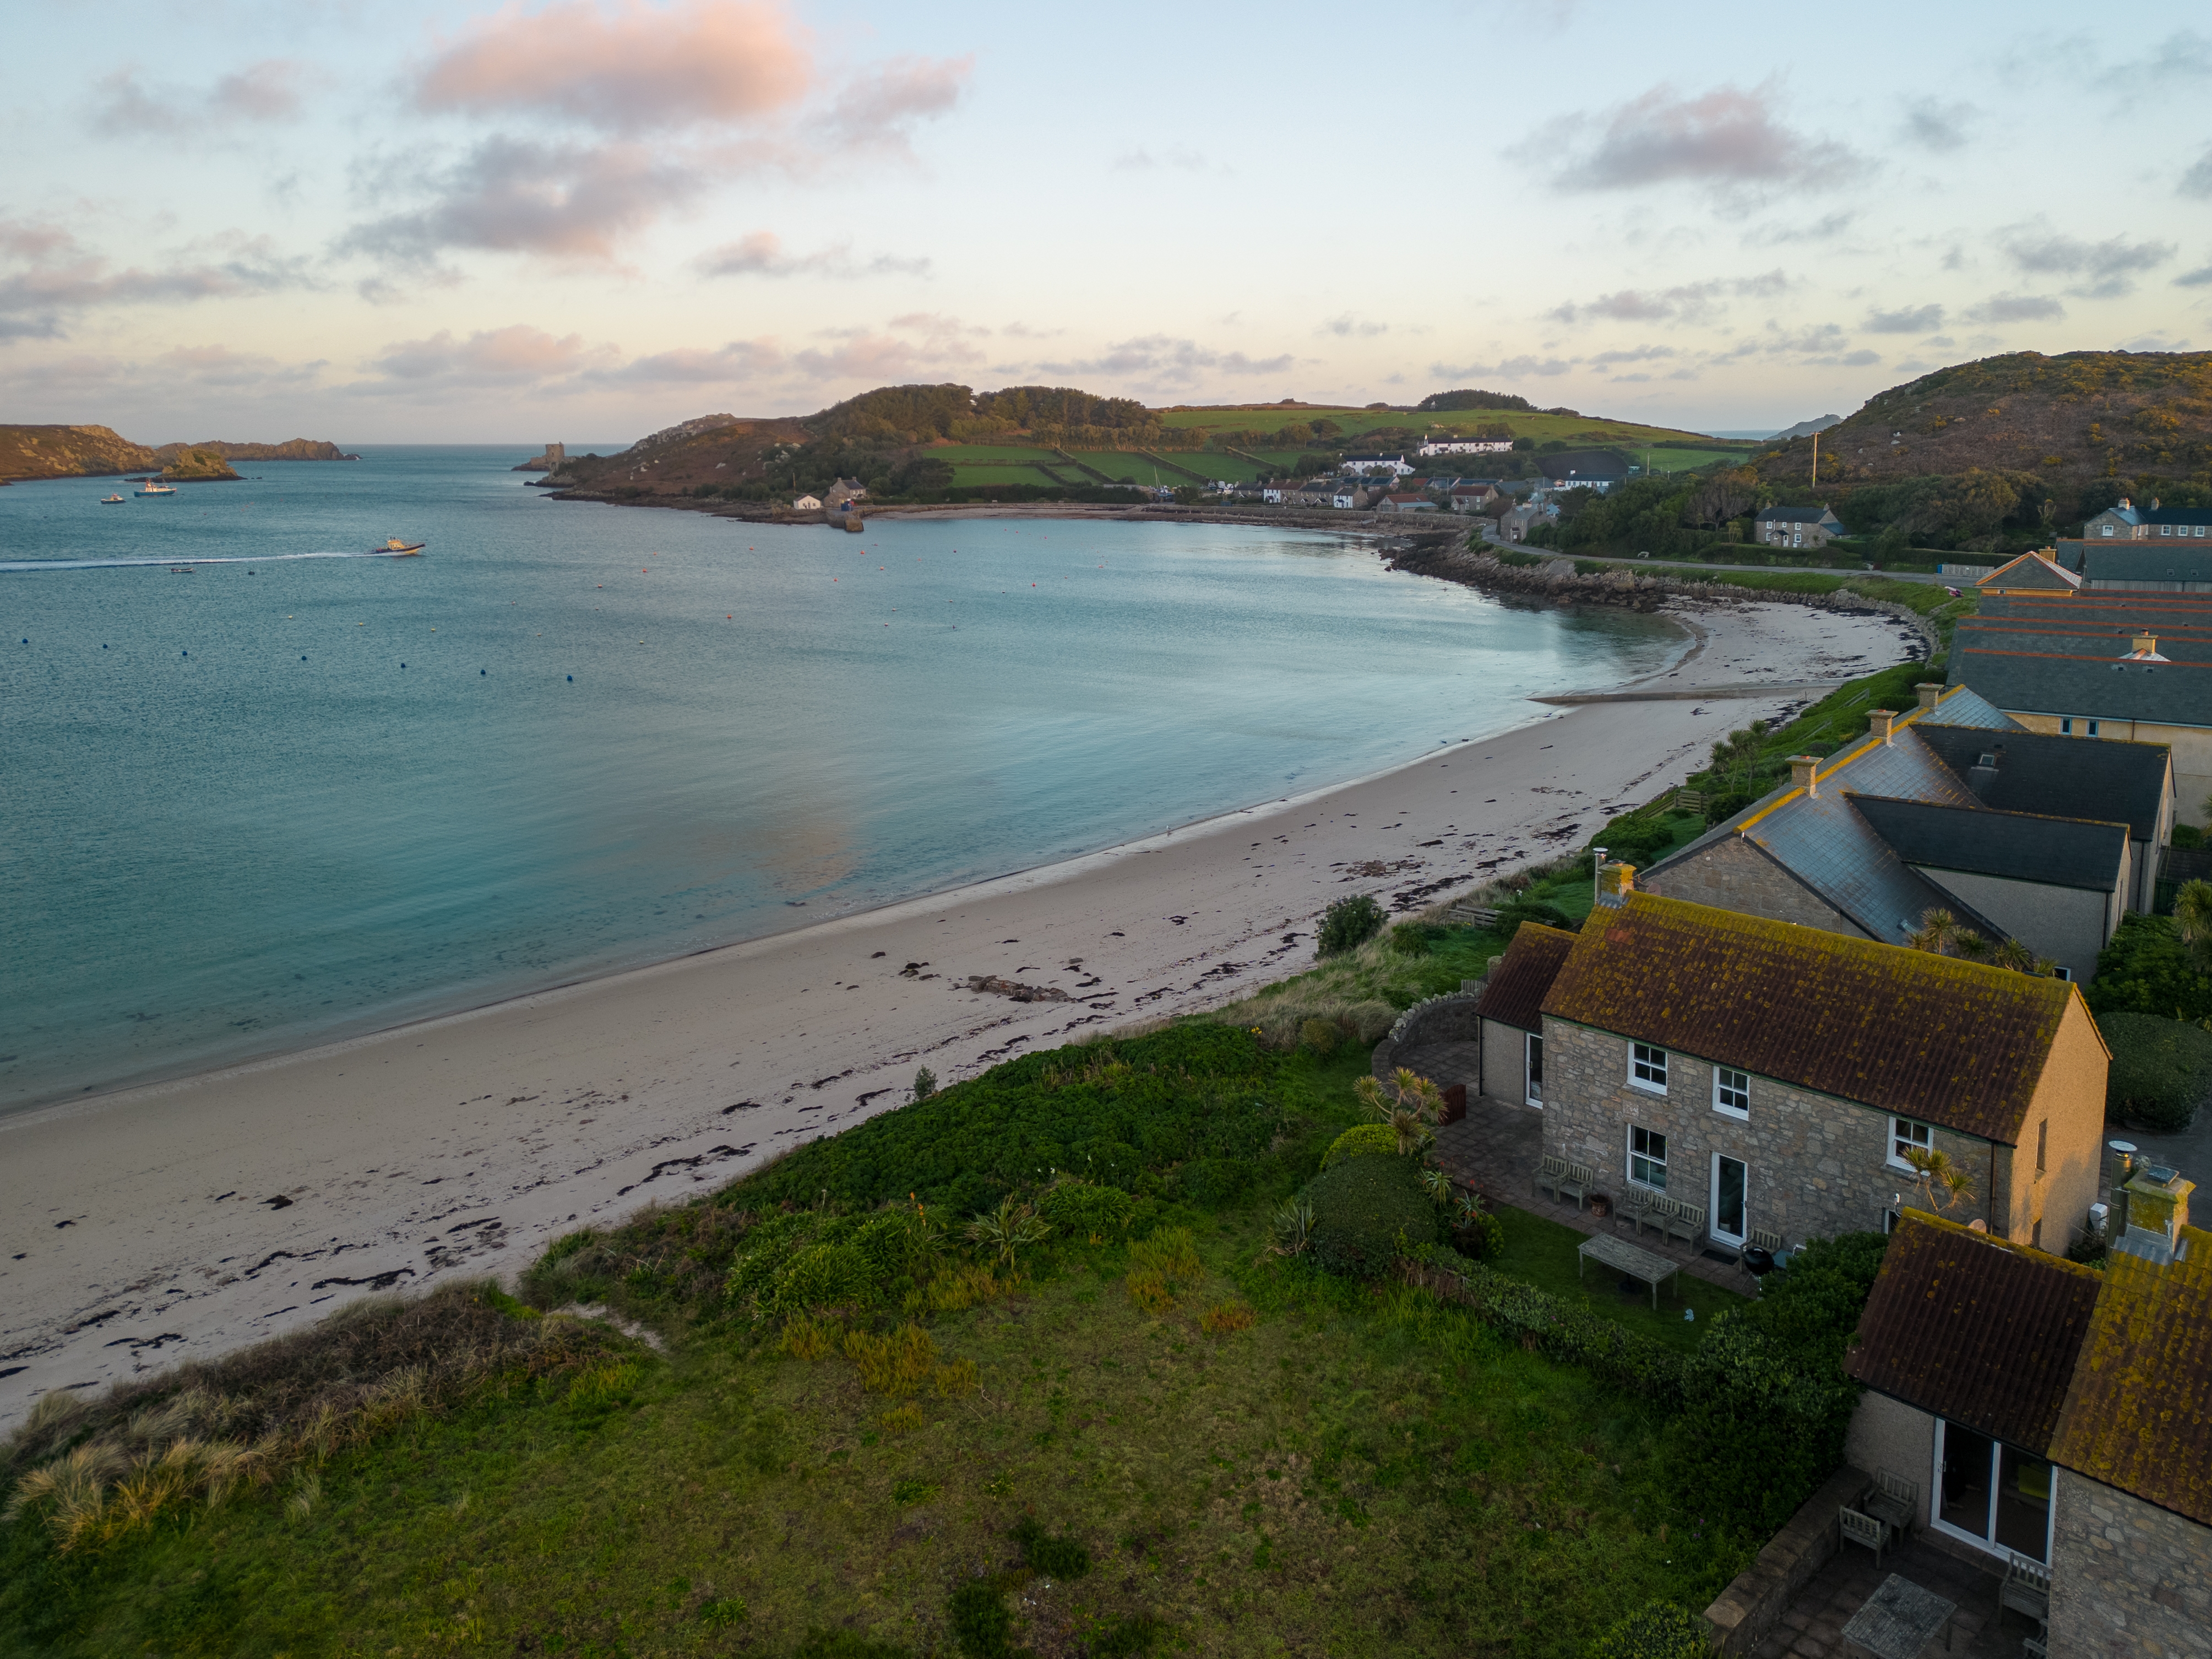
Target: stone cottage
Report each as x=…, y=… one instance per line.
x=2047, y=1410
x=1777, y=1077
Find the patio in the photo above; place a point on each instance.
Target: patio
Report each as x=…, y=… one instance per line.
x=1812, y=1627
x=1496, y=1147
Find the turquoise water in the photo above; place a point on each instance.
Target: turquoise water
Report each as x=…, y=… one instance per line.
x=304, y=793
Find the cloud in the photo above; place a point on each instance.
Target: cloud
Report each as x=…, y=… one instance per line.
x=1688, y=302
x=217, y=368
x=736, y=362
x=2107, y=267
x=1347, y=324
x=55, y=276
x=2197, y=278
x=1511, y=369
x=516, y=355
x=1912, y=319
x=267, y=90
x=1141, y=159
x=1796, y=233
x=1641, y=355
x=877, y=110
x=1170, y=360
x=2197, y=181
x=572, y=203
x=760, y=253
x=1934, y=126
x=1728, y=138
x=635, y=68
x=2183, y=55
x=2016, y=308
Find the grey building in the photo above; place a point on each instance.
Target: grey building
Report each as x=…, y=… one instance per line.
x=1600, y=469
x=1796, y=526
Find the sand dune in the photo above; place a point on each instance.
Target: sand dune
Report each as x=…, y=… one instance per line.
x=183, y=1219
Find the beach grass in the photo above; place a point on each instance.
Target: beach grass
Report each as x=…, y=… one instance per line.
x=1252, y=1456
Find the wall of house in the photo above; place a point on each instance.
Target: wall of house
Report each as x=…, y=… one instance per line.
x=2066, y=924
x=2070, y=1097
x=1888, y=1434
x=2191, y=746
x=1814, y=1165
x=2126, y=1577
x=1504, y=1062
x=1735, y=875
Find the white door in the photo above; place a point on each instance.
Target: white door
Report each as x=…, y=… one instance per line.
x=1731, y=1200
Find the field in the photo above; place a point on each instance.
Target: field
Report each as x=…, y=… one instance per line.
x=986, y=454
x=1575, y=429
x=1661, y=461
x=984, y=473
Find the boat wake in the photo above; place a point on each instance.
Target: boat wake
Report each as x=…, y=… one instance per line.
x=10, y=567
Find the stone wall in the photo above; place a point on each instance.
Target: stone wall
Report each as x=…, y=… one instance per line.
x=1736, y=875
x=1815, y=1166
x=1751, y=1606
x=2127, y=1579
x=1450, y=1017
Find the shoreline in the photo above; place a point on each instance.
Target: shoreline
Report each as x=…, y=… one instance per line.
x=184, y=1217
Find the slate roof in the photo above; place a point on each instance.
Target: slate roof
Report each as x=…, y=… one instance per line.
x=2031, y=570
x=2188, y=515
x=1945, y=1041
x=1514, y=994
x=2061, y=654
x=2109, y=1375
x=2139, y=1414
x=1976, y=1329
x=1830, y=847
x=1583, y=463
x=2166, y=563
x=1796, y=515
x=2016, y=846
x=2103, y=778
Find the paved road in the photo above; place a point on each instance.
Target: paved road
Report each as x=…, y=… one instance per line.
x=1686, y=564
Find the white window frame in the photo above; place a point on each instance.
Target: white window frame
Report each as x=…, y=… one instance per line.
x=1988, y=1545
x=1728, y=1081
x=1645, y=1158
x=1912, y=1133
x=1644, y=1070
x=1532, y=1069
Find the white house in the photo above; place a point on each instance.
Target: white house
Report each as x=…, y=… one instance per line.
x=807, y=504
x=1453, y=444
x=1397, y=463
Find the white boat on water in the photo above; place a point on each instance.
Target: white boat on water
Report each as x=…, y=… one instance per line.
x=154, y=487
x=394, y=548
x=110, y=500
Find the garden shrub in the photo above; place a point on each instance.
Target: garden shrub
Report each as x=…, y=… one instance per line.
x=1085, y=1209
x=1660, y=1630
x=1348, y=924
x=1362, y=1140
x=823, y=1276
x=1212, y=1183
x=2161, y=1070
x=1413, y=939
x=980, y=1623
x=2147, y=969
x=1322, y=1036
x=1481, y=1236
x=1366, y=1209
x=1060, y=1558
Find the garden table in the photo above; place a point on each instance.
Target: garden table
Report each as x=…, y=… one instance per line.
x=1622, y=1257
x=1897, y=1620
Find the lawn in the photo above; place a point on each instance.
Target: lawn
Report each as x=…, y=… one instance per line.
x=984, y=473
x=1574, y=429
x=986, y=454
x=1262, y=1460
x=1542, y=1252
x=1120, y=464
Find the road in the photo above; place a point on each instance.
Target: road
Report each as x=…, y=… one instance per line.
x=1686, y=564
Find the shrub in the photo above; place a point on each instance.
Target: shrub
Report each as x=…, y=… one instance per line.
x=2161, y=1070
x=1371, y=1021
x=1659, y=1630
x=897, y=1363
x=1348, y=924
x=823, y=1276
x=1552, y=1327
x=2147, y=969
x=1211, y=1183
x=925, y=1083
x=1537, y=911
x=1413, y=939
x=1322, y=1036
x=980, y=1623
x=1364, y=1210
x=1481, y=1236
x=1083, y=1209
x=809, y=1339
x=843, y=1644
x=1362, y=1140
x=1055, y=1558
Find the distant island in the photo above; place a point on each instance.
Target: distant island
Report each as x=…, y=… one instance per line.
x=93, y=452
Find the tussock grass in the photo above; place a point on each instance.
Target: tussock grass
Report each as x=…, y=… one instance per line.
x=898, y=1364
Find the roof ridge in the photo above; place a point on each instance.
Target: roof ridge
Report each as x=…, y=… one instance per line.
x=1984, y=807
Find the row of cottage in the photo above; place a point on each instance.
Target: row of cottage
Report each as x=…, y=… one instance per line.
x=1764, y=1028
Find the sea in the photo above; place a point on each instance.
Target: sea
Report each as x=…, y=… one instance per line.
x=262, y=788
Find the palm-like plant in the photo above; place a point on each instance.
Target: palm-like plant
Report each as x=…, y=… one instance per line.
x=2192, y=918
x=1409, y=1105
x=1941, y=1183
x=1437, y=1182
x=1013, y=1225
x=1938, y=932
x=1292, y=1227
x=1971, y=944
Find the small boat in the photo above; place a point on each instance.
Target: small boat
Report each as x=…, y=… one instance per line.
x=399, y=549
x=154, y=487
x=111, y=500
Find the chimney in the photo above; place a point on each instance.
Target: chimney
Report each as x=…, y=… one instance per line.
x=1928, y=692
x=2145, y=645
x=2124, y=503
x=1801, y=768
x=1880, y=722
x=2158, y=1209
x=1615, y=881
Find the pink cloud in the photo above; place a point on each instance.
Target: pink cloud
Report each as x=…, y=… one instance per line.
x=1726, y=137
x=518, y=354
x=633, y=68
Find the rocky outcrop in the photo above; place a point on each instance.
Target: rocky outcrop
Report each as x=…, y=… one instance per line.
x=554, y=458
x=69, y=452
x=292, y=449
x=197, y=465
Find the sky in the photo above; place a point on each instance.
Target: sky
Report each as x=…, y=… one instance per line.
x=584, y=220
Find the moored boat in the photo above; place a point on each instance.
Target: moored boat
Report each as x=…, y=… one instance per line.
x=154, y=487
x=110, y=500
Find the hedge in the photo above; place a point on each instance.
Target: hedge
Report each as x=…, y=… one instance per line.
x=2161, y=1070
x=1366, y=1212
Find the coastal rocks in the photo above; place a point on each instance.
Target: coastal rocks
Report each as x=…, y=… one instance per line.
x=292, y=449
x=197, y=465
x=69, y=452
x=1014, y=988
x=554, y=458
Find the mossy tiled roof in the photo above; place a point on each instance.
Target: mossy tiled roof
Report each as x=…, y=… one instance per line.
x=2139, y=1414
x=1514, y=994
x=1948, y=1042
x=1975, y=1329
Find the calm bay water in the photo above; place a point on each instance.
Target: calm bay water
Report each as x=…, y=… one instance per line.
x=301, y=793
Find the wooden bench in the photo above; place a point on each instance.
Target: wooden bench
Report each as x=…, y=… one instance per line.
x=2027, y=1589
x=1863, y=1529
x=1642, y=1207
x=1686, y=1222
x=1894, y=1502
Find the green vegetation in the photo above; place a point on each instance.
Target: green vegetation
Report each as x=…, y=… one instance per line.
x=1349, y=923
x=1542, y=1252
x=1659, y=1630
x=2161, y=1070
x=1368, y=1211
x=2148, y=969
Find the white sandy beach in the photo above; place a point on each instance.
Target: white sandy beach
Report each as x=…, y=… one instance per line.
x=181, y=1219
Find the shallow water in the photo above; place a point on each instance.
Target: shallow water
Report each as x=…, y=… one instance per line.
x=295, y=795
